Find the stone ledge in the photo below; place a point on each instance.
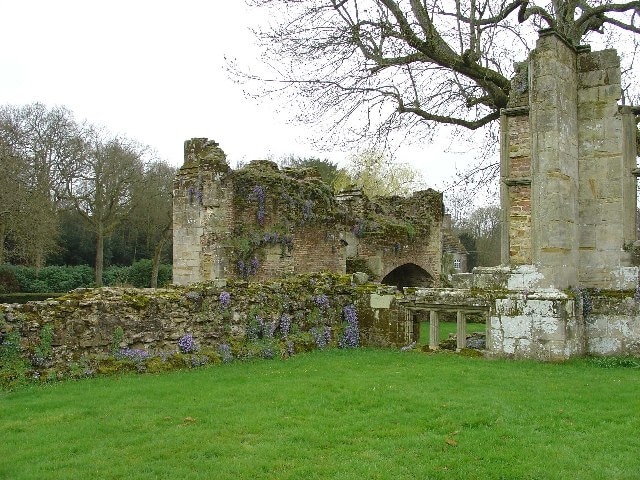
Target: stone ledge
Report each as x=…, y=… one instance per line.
x=515, y=111
x=517, y=182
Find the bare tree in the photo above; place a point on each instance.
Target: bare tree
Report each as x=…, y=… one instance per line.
x=483, y=225
x=394, y=69
x=151, y=215
x=101, y=187
x=39, y=147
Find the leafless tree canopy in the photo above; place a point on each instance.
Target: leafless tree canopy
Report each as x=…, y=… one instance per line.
x=403, y=65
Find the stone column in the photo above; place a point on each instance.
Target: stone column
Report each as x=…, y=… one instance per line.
x=554, y=127
x=434, y=330
x=461, y=331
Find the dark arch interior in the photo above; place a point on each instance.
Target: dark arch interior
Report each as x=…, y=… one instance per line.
x=408, y=275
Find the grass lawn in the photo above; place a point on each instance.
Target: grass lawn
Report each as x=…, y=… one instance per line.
x=446, y=328
x=357, y=414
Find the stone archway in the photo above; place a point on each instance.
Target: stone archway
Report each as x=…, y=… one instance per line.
x=408, y=275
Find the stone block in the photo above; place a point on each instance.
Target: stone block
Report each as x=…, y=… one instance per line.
x=599, y=60
x=587, y=236
x=592, y=78
x=586, y=97
x=608, y=237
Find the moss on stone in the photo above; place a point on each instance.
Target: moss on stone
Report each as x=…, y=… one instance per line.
x=139, y=301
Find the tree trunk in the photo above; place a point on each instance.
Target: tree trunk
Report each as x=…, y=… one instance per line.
x=99, y=255
x=157, y=257
x=3, y=234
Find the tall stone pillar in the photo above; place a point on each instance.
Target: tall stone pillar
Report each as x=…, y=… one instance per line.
x=202, y=213
x=554, y=142
x=567, y=189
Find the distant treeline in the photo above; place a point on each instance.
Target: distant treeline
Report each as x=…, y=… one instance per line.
x=72, y=194
x=21, y=279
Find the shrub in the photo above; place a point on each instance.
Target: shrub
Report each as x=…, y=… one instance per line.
x=54, y=278
x=64, y=278
x=115, y=275
x=8, y=281
x=137, y=275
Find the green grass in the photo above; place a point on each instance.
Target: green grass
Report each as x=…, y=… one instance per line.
x=445, y=329
x=360, y=414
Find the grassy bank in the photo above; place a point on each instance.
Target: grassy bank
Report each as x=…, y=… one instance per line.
x=332, y=414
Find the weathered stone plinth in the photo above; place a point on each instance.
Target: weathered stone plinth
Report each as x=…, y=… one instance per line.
x=542, y=324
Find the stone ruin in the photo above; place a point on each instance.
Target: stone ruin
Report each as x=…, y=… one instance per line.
x=567, y=286
x=261, y=223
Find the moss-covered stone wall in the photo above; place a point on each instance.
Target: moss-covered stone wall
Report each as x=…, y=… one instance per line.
x=247, y=319
x=260, y=222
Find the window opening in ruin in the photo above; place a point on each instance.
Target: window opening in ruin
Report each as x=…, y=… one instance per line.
x=408, y=275
x=474, y=329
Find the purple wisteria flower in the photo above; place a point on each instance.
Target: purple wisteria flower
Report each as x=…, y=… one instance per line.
x=307, y=210
x=271, y=238
x=258, y=194
x=351, y=336
x=133, y=354
x=225, y=351
x=247, y=270
x=186, y=344
x=322, y=336
x=322, y=301
x=254, y=265
x=358, y=229
x=285, y=324
x=224, y=299
x=268, y=329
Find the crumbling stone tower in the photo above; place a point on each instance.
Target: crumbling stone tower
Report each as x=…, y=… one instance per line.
x=202, y=213
x=567, y=156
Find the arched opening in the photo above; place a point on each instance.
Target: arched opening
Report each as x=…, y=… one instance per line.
x=408, y=275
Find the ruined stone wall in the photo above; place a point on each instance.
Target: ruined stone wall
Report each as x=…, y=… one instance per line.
x=612, y=324
x=318, y=249
x=607, y=188
x=397, y=231
x=261, y=222
x=85, y=321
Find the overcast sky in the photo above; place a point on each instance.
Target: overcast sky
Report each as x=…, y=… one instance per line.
x=154, y=71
